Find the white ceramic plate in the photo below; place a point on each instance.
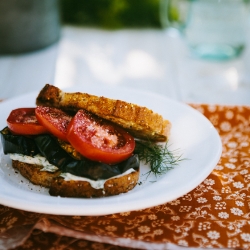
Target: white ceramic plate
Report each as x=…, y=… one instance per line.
x=192, y=135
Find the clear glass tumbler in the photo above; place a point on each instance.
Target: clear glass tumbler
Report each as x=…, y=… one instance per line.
x=213, y=29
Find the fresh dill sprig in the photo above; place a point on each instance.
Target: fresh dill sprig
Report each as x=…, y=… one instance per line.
x=158, y=156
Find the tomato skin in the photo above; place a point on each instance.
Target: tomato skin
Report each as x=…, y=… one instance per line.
x=99, y=140
x=23, y=121
x=54, y=120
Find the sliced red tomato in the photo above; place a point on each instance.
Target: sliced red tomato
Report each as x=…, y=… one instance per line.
x=54, y=120
x=99, y=140
x=23, y=121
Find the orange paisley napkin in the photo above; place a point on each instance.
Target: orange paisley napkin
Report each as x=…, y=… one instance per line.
x=216, y=214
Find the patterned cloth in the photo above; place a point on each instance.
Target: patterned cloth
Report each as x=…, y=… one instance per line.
x=216, y=214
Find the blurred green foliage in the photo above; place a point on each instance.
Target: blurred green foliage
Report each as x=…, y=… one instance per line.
x=111, y=14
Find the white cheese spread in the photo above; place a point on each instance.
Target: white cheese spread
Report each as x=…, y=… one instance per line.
x=36, y=160
x=94, y=184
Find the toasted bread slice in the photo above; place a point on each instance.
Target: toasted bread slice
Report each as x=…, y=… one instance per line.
x=83, y=189
x=34, y=174
x=60, y=187
x=141, y=122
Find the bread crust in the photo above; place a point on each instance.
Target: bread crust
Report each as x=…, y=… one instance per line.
x=83, y=189
x=34, y=174
x=78, y=189
x=141, y=122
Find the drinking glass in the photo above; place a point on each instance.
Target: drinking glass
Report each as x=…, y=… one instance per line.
x=212, y=29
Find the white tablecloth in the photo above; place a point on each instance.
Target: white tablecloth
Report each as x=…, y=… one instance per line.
x=151, y=60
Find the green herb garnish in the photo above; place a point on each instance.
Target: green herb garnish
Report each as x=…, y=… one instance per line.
x=158, y=156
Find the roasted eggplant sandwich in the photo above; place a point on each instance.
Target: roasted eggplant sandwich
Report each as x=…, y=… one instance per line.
x=81, y=145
